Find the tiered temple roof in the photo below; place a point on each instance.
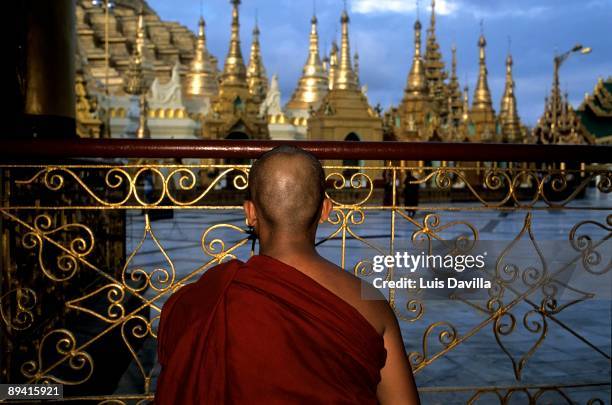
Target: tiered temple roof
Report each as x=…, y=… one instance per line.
x=434, y=66
x=595, y=112
x=167, y=42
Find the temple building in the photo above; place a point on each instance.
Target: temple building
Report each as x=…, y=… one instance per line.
x=344, y=112
x=235, y=112
x=595, y=112
x=187, y=96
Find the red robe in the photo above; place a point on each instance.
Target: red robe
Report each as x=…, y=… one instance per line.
x=262, y=332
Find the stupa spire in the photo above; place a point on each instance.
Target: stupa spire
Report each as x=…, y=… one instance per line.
x=345, y=76
x=482, y=95
x=313, y=85
x=256, y=72
x=511, y=124
x=234, y=70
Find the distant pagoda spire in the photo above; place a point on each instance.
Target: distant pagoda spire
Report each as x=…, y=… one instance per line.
x=454, y=90
x=333, y=64
x=314, y=83
x=356, y=67
x=434, y=65
x=511, y=124
x=417, y=81
x=345, y=75
x=234, y=70
x=256, y=72
x=201, y=80
x=482, y=113
x=482, y=95
x=465, y=109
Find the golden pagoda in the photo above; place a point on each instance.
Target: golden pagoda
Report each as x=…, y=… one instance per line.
x=434, y=66
x=483, y=126
x=256, y=72
x=235, y=111
x=416, y=110
x=344, y=113
x=508, y=115
x=201, y=79
x=314, y=83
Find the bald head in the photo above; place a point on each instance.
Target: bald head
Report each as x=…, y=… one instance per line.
x=287, y=186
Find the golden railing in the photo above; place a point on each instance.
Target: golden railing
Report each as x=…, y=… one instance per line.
x=87, y=267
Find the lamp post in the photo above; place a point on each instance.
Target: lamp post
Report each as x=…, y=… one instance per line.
x=558, y=61
x=108, y=5
x=556, y=96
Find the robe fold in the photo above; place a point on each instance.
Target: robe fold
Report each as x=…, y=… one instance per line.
x=262, y=332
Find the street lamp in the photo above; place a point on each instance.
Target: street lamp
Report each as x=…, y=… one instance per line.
x=558, y=61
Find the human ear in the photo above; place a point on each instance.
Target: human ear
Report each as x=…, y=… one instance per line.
x=250, y=213
x=325, y=210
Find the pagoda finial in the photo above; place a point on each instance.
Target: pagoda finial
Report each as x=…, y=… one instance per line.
x=345, y=77
x=234, y=71
x=256, y=72
x=432, y=21
x=454, y=61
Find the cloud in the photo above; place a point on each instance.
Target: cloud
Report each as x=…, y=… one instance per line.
x=476, y=9
x=443, y=7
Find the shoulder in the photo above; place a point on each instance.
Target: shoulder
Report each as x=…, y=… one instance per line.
x=212, y=280
x=368, y=300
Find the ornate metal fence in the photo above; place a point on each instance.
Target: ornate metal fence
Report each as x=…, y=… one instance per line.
x=91, y=251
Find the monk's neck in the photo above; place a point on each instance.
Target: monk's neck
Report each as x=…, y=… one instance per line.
x=285, y=248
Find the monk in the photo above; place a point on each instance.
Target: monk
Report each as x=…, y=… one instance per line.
x=287, y=326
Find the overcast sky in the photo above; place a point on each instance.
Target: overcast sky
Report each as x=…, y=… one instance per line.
x=382, y=32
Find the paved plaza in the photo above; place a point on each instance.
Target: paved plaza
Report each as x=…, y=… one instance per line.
x=574, y=348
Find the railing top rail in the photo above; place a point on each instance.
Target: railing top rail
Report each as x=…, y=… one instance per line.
x=36, y=149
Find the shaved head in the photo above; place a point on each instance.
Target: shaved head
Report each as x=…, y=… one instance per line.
x=287, y=186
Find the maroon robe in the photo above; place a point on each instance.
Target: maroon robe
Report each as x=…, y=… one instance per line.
x=262, y=332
